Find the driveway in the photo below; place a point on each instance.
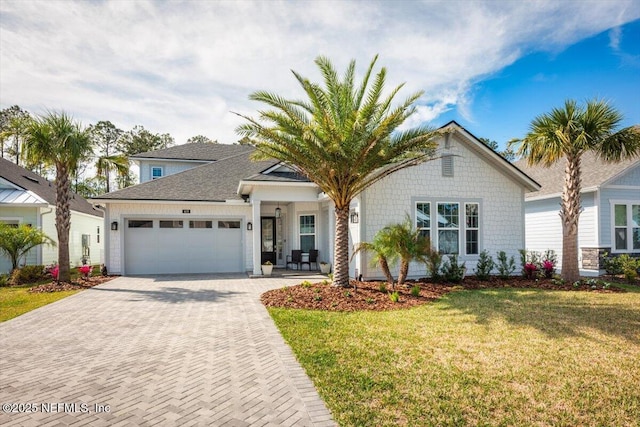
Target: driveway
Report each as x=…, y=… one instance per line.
x=166, y=350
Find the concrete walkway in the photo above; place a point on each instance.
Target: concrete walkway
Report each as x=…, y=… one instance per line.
x=166, y=350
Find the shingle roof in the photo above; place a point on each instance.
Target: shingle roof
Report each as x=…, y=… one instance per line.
x=45, y=189
x=196, y=151
x=595, y=172
x=211, y=182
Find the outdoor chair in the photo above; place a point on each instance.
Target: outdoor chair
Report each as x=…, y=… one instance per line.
x=296, y=258
x=313, y=258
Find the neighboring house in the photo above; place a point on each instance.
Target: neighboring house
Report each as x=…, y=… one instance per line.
x=28, y=198
x=209, y=208
x=610, y=217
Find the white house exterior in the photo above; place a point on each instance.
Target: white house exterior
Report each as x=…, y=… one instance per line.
x=227, y=213
x=27, y=198
x=610, y=216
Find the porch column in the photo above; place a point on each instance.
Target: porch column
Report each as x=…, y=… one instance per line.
x=257, y=233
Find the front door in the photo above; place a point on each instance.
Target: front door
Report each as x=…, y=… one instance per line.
x=268, y=239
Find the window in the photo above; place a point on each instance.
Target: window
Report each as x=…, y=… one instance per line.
x=171, y=224
x=13, y=223
x=472, y=228
x=626, y=227
x=307, y=232
x=423, y=218
x=156, y=172
x=98, y=235
x=200, y=224
x=448, y=228
x=140, y=223
x=228, y=224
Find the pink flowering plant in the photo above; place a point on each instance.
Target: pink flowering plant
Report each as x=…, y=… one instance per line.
x=548, y=268
x=85, y=270
x=530, y=270
x=53, y=270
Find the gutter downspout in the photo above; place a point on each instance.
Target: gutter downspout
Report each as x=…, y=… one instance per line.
x=105, y=234
x=40, y=225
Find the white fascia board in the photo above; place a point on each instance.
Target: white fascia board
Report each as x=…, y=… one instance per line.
x=242, y=184
x=24, y=205
x=10, y=184
x=551, y=196
x=169, y=202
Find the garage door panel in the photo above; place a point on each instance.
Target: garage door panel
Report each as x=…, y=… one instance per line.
x=175, y=249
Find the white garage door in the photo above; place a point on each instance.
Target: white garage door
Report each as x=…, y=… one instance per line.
x=167, y=246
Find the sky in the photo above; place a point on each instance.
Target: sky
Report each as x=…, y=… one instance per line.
x=185, y=67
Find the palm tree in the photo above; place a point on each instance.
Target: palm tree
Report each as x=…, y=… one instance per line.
x=57, y=140
x=118, y=163
x=568, y=133
x=381, y=249
x=16, y=242
x=406, y=245
x=344, y=138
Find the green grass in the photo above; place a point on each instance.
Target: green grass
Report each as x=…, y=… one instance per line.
x=498, y=357
x=15, y=301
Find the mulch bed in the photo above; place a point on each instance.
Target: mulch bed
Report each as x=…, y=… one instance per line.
x=368, y=296
x=75, y=284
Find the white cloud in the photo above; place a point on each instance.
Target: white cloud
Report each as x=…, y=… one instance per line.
x=182, y=67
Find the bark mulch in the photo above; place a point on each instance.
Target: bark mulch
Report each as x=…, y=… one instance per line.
x=368, y=295
x=75, y=284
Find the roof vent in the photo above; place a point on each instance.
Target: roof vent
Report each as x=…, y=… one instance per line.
x=31, y=179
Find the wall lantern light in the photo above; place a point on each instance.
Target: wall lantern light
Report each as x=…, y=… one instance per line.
x=114, y=225
x=249, y=226
x=354, y=218
x=278, y=211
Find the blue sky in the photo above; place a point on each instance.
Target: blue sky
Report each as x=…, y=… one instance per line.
x=184, y=67
x=605, y=66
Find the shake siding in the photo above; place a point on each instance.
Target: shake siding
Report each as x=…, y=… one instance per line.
x=500, y=198
x=607, y=196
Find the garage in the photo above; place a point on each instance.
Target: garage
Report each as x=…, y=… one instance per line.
x=171, y=246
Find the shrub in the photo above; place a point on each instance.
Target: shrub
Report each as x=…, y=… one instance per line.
x=530, y=270
x=622, y=264
x=505, y=266
x=485, y=266
x=394, y=296
x=306, y=284
x=415, y=291
x=383, y=287
x=452, y=271
x=433, y=259
x=28, y=274
x=4, y=280
x=549, y=262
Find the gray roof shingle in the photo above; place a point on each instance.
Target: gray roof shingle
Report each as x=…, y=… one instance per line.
x=212, y=182
x=28, y=180
x=595, y=172
x=196, y=151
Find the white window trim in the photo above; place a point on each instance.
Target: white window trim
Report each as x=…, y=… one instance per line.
x=629, y=226
x=430, y=228
x=459, y=229
x=152, y=167
x=464, y=240
x=462, y=225
x=315, y=230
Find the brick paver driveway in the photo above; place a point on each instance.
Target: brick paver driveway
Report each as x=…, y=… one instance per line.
x=166, y=350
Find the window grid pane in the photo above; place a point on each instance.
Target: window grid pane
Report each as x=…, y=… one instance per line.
x=171, y=224
x=307, y=232
x=621, y=215
x=200, y=224
x=448, y=215
x=138, y=223
x=423, y=215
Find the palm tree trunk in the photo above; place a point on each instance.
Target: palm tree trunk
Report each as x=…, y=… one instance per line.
x=404, y=271
x=570, y=215
x=341, y=255
x=384, y=266
x=63, y=221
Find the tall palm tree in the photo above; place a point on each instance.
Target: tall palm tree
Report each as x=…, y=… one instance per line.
x=57, y=140
x=343, y=137
x=118, y=163
x=568, y=133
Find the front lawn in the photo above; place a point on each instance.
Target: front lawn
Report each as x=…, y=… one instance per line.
x=477, y=357
x=17, y=300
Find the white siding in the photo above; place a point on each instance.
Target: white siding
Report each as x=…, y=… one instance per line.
x=168, y=167
x=544, y=227
x=501, y=202
x=119, y=211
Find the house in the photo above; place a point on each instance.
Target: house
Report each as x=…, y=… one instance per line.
x=610, y=216
x=28, y=198
x=210, y=208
